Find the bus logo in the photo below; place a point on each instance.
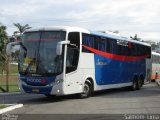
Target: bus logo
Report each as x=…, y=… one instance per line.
x=33, y=80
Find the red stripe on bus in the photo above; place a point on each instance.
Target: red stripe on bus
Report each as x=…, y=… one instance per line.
x=114, y=56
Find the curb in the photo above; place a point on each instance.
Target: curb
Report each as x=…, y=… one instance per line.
x=10, y=93
x=10, y=108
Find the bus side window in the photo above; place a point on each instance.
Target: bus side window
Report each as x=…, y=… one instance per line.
x=73, y=52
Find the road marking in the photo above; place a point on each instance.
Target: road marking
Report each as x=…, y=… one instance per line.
x=10, y=108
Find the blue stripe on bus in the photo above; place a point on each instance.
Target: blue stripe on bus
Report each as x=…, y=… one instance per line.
x=109, y=71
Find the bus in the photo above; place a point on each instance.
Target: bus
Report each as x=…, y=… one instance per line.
x=155, y=66
x=73, y=60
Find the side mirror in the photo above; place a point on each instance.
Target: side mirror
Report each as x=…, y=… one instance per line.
x=59, y=46
x=10, y=46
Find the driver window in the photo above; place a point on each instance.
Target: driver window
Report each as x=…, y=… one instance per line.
x=73, y=52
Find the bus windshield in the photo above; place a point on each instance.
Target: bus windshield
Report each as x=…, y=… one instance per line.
x=38, y=53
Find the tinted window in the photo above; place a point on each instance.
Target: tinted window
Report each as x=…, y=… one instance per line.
x=119, y=47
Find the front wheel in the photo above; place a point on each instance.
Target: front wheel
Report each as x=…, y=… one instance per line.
x=87, y=90
x=50, y=96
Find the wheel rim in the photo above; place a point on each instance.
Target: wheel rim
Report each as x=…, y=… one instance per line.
x=86, y=89
x=134, y=85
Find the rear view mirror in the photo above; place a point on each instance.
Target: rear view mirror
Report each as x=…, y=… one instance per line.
x=59, y=46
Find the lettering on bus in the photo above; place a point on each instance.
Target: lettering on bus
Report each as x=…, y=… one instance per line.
x=111, y=46
x=122, y=42
x=101, y=62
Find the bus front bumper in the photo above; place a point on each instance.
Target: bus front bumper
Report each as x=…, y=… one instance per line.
x=51, y=90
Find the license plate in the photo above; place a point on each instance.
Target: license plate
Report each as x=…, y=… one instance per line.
x=35, y=90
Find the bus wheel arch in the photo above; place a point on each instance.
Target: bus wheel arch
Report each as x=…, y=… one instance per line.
x=88, y=88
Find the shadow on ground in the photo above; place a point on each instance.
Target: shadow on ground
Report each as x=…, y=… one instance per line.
x=146, y=91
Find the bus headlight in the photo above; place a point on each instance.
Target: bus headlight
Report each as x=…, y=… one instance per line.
x=56, y=82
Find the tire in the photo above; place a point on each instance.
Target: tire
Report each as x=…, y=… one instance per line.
x=49, y=95
x=138, y=86
x=134, y=85
x=87, y=90
x=141, y=82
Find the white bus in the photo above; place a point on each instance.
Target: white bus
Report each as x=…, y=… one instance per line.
x=155, y=66
x=72, y=60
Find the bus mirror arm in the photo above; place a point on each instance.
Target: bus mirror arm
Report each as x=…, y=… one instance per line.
x=59, y=46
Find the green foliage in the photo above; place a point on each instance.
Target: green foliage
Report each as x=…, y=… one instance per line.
x=21, y=28
x=2, y=106
x=13, y=69
x=3, y=43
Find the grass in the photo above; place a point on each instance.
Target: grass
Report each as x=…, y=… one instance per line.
x=12, y=88
x=13, y=69
x=13, y=78
x=12, y=83
x=2, y=106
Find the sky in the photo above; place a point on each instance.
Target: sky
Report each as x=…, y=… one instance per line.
x=129, y=17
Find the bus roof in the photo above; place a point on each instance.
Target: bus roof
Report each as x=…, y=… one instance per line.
x=61, y=28
x=119, y=37
x=79, y=29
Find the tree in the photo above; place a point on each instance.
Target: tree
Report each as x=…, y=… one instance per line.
x=21, y=28
x=135, y=38
x=3, y=43
x=4, y=61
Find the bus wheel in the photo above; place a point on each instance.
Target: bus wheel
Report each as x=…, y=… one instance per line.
x=134, y=85
x=87, y=89
x=139, y=83
x=49, y=95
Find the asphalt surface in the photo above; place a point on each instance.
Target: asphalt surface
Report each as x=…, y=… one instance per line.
x=119, y=102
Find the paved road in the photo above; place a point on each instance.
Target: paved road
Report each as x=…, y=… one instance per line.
x=116, y=101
